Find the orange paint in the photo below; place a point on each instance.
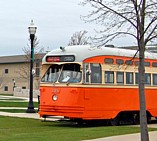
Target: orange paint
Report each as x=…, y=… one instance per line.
x=93, y=103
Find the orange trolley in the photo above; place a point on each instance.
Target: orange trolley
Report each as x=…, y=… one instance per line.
x=90, y=83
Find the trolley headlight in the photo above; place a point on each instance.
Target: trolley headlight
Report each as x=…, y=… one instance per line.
x=55, y=97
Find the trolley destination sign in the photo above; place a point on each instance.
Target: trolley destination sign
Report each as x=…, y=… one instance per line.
x=65, y=58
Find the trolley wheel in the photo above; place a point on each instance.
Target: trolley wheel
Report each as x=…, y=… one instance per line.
x=137, y=119
x=115, y=121
x=149, y=119
x=79, y=121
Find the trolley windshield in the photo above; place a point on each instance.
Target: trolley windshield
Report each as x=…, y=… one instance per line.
x=63, y=73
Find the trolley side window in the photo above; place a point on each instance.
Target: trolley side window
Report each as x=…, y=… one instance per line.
x=147, y=78
x=119, y=61
x=154, y=64
x=92, y=73
x=154, y=79
x=120, y=77
x=96, y=76
x=128, y=62
x=136, y=78
x=109, y=77
x=129, y=78
x=108, y=60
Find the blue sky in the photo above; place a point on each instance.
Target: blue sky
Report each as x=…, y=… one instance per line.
x=56, y=22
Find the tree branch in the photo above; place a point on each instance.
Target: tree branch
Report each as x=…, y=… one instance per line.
x=114, y=11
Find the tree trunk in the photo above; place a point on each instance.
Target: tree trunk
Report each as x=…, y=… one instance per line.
x=143, y=115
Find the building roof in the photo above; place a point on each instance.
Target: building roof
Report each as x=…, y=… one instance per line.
x=18, y=58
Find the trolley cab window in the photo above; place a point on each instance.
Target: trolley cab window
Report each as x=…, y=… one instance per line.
x=52, y=74
x=63, y=73
x=70, y=73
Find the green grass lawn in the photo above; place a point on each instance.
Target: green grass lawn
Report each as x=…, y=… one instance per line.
x=12, y=99
x=14, y=110
x=16, y=104
x=6, y=94
x=21, y=129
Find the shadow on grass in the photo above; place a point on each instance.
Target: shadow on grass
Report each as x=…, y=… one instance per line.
x=90, y=124
x=77, y=124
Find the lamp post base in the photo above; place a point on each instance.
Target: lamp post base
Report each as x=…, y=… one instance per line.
x=30, y=110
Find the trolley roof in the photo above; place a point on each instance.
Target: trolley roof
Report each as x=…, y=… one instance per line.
x=82, y=52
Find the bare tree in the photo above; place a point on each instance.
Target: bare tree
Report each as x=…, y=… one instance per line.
x=136, y=18
x=79, y=38
x=38, y=54
x=37, y=50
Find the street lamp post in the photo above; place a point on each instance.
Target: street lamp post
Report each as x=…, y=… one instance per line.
x=32, y=30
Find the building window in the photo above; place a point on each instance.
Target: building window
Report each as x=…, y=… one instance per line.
x=23, y=87
x=6, y=71
x=109, y=77
x=5, y=88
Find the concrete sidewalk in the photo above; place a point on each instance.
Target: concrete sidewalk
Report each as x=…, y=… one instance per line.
x=130, y=137
x=6, y=98
x=22, y=115
x=29, y=115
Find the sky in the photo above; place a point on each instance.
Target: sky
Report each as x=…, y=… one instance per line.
x=56, y=22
